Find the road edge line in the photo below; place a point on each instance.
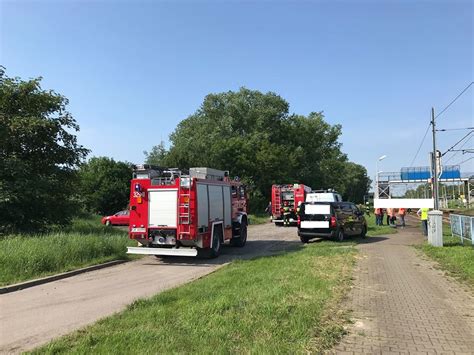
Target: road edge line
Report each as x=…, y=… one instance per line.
x=64, y=275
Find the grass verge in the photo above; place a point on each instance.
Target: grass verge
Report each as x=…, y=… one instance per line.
x=279, y=304
x=86, y=242
x=454, y=257
x=260, y=218
x=373, y=230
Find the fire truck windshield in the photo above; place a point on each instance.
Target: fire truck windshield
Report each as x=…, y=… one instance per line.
x=287, y=196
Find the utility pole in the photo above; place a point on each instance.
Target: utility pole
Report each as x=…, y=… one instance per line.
x=435, y=163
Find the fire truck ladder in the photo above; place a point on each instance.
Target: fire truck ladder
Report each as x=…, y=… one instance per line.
x=184, y=210
x=277, y=200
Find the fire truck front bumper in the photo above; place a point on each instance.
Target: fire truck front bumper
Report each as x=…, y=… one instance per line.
x=162, y=251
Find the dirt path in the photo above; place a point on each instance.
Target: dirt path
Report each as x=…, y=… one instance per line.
x=402, y=304
x=34, y=316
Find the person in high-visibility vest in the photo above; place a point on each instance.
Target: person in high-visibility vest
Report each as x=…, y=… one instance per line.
x=423, y=213
x=367, y=208
x=286, y=214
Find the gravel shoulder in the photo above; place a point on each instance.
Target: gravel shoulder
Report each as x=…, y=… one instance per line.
x=34, y=316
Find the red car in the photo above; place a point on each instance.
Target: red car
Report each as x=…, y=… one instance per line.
x=121, y=218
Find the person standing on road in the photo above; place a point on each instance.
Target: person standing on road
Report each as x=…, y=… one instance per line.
x=377, y=212
x=389, y=215
x=382, y=212
x=401, y=213
x=367, y=208
x=423, y=213
x=286, y=214
x=269, y=208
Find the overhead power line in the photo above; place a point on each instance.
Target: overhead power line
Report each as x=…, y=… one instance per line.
x=454, y=100
x=453, y=129
x=421, y=144
x=460, y=148
x=459, y=141
x=439, y=114
x=462, y=162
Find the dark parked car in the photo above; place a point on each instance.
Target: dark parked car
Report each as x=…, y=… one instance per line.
x=334, y=220
x=121, y=218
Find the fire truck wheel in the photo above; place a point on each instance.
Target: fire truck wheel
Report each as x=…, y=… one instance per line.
x=242, y=238
x=215, y=249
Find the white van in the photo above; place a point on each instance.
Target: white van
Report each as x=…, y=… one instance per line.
x=323, y=196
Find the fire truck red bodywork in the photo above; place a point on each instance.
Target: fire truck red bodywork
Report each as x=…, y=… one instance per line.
x=176, y=214
x=292, y=194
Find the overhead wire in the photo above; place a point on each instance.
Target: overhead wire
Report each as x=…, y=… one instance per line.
x=439, y=114
x=459, y=141
x=460, y=148
x=454, y=100
x=464, y=161
x=421, y=145
x=453, y=129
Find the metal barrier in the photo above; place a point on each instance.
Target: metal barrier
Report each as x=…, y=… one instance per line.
x=462, y=226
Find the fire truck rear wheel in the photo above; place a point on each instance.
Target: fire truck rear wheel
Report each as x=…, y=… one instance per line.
x=215, y=249
x=242, y=238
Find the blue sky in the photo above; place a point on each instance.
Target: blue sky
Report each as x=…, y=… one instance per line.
x=132, y=70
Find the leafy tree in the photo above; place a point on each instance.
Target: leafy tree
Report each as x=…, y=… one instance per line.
x=105, y=185
x=157, y=155
x=38, y=156
x=356, y=183
x=253, y=135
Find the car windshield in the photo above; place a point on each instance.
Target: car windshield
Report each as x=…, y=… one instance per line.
x=321, y=197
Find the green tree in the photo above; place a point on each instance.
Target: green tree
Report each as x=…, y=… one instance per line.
x=253, y=135
x=356, y=183
x=105, y=185
x=38, y=156
x=157, y=155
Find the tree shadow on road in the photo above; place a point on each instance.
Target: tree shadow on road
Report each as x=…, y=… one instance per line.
x=253, y=249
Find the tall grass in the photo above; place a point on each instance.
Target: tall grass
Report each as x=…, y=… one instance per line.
x=281, y=304
x=86, y=242
x=456, y=258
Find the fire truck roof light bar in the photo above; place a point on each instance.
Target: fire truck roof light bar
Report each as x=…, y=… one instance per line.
x=162, y=251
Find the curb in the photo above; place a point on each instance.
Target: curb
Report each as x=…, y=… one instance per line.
x=64, y=275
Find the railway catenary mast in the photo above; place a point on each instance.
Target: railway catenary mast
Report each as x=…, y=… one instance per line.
x=173, y=213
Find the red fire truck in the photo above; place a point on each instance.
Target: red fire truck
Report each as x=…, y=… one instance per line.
x=173, y=213
x=288, y=194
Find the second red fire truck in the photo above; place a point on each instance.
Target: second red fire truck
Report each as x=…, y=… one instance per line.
x=287, y=195
x=173, y=213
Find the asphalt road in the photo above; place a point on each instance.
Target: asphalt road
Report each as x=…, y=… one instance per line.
x=34, y=316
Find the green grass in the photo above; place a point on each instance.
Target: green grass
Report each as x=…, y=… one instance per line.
x=280, y=304
x=374, y=230
x=259, y=218
x=453, y=257
x=85, y=242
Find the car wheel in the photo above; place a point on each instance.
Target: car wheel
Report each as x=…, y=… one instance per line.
x=108, y=223
x=364, y=232
x=340, y=235
x=304, y=239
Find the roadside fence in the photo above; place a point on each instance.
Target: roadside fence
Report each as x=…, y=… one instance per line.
x=462, y=226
